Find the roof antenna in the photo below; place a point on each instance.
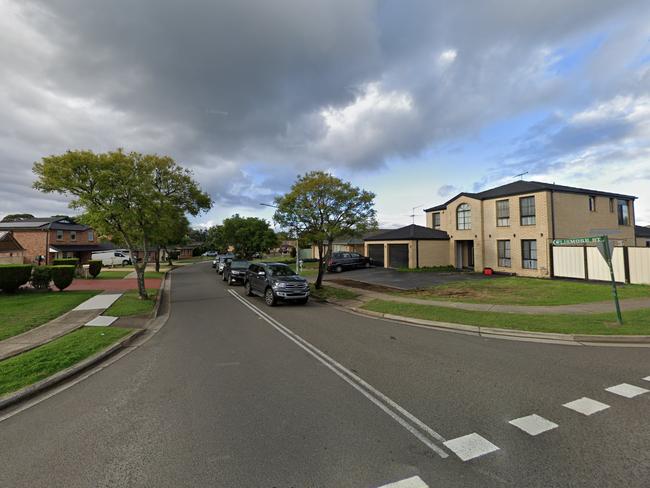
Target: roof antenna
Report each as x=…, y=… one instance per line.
x=521, y=175
x=413, y=214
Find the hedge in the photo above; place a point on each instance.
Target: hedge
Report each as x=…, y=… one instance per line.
x=41, y=277
x=62, y=276
x=13, y=276
x=66, y=262
x=94, y=268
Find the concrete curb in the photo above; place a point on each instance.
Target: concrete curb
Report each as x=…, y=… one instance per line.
x=57, y=378
x=510, y=334
x=97, y=358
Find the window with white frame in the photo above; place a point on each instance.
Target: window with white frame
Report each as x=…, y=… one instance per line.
x=464, y=217
x=59, y=235
x=503, y=251
x=592, y=203
x=527, y=210
x=73, y=235
x=529, y=254
x=623, y=212
x=503, y=213
x=91, y=235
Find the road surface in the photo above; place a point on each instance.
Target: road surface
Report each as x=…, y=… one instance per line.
x=231, y=393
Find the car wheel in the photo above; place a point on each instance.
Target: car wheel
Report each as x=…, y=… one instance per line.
x=230, y=281
x=247, y=289
x=367, y=265
x=125, y=263
x=339, y=269
x=269, y=297
x=223, y=278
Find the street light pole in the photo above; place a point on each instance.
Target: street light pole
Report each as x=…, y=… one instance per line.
x=297, y=240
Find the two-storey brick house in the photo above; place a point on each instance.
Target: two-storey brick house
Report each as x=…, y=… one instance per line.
x=53, y=237
x=510, y=228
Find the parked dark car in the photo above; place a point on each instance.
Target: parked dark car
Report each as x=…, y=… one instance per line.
x=275, y=282
x=341, y=261
x=235, y=271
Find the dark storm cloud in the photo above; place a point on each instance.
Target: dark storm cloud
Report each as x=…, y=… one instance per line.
x=283, y=86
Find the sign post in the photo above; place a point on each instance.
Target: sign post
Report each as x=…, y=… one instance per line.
x=602, y=243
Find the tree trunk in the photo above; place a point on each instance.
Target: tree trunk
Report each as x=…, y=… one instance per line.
x=319, y=278
x=139, y=271
x=158, y=259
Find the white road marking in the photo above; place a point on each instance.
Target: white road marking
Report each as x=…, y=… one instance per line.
x=419, y=429
x=586, y=406
x=647, y=378
x=99, y=302
x=626, y=390
x=412, y=482
x=533, y=424
x=470, y=446
x=101, y=321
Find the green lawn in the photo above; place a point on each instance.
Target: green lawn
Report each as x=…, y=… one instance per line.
x=37, y=364
x=129, y=304
x=517, y=290
x=635, y=322
x=326, y=292
x=28, y=309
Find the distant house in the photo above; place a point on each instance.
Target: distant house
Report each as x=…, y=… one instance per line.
x=642, y=235
x=53, y=237
x=348, y=243
x=11, y=252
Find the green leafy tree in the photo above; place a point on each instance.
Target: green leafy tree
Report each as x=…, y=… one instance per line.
x=173, y=229
x=17, y=217
x=321, y=207
x=216, y=240
x=248, y=235
x=126, y=196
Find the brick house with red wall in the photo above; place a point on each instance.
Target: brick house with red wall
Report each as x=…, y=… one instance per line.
x=53, y=237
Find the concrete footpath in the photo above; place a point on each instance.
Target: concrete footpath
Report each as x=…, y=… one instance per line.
x=60, y=326
x=578, y=308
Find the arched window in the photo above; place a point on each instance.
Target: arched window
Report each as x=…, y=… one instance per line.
x=463, y=217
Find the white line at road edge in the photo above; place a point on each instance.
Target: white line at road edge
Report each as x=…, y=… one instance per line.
x=413, y=482
x=420, y=430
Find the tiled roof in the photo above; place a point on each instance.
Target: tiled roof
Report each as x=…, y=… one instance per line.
x=44, y=223
x=640, y=231
x=410, y=232
x=521, y=187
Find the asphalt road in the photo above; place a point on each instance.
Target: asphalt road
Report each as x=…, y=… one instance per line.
x=226, y=396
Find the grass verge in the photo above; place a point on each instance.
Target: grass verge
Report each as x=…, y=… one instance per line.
x=25, y=310
x=32, y=366
x=327, y=292
x=129, y=304
x=636, y=322
x=515, y=290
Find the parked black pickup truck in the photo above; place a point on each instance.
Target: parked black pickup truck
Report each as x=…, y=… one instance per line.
x=274, y=282
x=235, y=271
x=347, y=260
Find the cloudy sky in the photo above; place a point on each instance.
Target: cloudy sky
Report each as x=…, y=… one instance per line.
x=414, y=100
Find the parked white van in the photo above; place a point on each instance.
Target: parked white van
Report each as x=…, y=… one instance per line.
x=115, y=257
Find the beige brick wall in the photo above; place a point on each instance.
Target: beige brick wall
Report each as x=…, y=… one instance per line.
x=643, y=241
x=434, y=253
x=448, y=224
x=515, y=233
x=574, y=219
x=34, y=242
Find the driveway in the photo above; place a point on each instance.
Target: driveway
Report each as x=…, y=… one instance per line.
x=401, y=279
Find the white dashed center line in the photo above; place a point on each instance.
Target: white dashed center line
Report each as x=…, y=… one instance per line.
x=533, y=424
x=586, y=406
x=470, y=446
x=626, y=390
x=413, y=482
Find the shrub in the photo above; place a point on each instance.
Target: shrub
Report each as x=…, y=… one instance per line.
x=94, y=267
x=41, y=277
x=66, y=262
x=62, y=276
x=13, y=276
